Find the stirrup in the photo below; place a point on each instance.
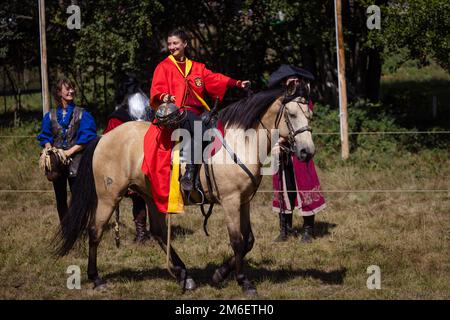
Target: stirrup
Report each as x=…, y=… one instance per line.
x=201, y=194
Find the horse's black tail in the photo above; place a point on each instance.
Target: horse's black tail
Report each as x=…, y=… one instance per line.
x=82, y=206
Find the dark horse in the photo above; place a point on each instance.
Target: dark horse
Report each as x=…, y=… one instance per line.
x=112, y=164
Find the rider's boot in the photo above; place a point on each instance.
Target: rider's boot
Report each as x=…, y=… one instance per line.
x=188, y=180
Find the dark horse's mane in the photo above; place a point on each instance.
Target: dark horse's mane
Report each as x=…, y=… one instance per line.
x=247, y=112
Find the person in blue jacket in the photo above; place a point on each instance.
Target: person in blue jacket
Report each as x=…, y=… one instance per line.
x=68, y=128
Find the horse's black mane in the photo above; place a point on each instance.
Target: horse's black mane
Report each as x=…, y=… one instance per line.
x=247, y=112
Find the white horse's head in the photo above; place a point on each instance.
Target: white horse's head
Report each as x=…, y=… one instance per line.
x=296, y=116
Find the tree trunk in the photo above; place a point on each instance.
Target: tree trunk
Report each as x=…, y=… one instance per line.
x=16, y=96
x=373, y=75
x=4, y=88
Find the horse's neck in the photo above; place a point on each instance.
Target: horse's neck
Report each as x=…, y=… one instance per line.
x=253, y=146
x=268, y=125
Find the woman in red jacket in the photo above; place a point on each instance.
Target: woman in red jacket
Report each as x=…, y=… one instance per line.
x=183, y=82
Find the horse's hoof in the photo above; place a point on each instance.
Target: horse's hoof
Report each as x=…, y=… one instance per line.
x=100, y=284
x=219, y=276
x=251, y=292
x=248, y=288
x=101, y=287
x=188, y=284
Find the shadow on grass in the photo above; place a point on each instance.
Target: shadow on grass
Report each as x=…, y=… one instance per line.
x=321, y=229
x=203, y=276
x=177, y=231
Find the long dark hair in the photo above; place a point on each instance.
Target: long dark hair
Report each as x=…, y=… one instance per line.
x=180, y=34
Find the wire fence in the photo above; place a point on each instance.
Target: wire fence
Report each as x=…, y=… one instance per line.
x=274, y=191
x=392, y=191
x=314, y=133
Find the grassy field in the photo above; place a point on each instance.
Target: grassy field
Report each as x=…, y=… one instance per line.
x=407, y=234
x=371, y=219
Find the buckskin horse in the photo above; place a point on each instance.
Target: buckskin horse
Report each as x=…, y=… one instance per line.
x=112, y=164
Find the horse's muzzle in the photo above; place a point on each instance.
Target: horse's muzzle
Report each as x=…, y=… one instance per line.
x=305, y=153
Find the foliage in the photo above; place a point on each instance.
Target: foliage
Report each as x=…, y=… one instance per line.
x=113, y=38
x=244, y=39
x=422, y=27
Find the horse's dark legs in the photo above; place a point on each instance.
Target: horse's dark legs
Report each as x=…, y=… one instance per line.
x=102, y=216
x=229, y=265
x=242, y=240
x=179, y=268
x=99, y=283
x=158, y=228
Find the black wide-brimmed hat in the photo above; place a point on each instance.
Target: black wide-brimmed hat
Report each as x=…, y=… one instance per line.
x=285, y=71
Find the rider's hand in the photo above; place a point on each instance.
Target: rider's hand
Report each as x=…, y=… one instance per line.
x=276, y=150
x=206, y=117
x=168, y=98
x=245, y=84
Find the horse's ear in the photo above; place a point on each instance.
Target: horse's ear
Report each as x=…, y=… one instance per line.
x=291, y=86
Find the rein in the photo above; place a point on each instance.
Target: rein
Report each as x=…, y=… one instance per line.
x=292, y=132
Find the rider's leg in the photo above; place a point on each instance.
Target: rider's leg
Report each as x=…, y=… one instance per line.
x=195, y=146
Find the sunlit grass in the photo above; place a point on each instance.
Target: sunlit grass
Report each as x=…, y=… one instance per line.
x=406, y=234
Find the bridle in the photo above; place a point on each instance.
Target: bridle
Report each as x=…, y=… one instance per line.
x=292, y=133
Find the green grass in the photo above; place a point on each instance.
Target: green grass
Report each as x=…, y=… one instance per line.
x=30, y=102
x=405, y=233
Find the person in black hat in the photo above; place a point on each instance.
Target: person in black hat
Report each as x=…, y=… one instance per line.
x=296, y=175
x=285, y=72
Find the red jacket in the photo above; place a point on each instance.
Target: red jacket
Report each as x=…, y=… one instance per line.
x=169, y=79
x=112, y=123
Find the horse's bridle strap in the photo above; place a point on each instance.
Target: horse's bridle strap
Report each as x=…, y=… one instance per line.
x=301, y=130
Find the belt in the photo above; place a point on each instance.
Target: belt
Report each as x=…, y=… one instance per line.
x=198, y=108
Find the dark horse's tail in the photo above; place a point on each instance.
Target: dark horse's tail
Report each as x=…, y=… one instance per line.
x=82, y=206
